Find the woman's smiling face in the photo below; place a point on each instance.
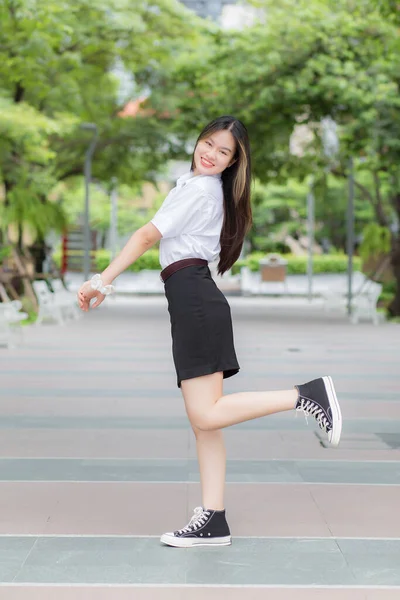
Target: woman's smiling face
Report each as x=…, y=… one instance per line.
x=214, y=153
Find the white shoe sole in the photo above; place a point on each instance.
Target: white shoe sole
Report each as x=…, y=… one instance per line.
x=335, y=433
x=171, y=540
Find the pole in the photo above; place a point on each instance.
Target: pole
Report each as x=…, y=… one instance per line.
x=88, y=175
x=350, y=237
x=113, y=218
x=310, y=233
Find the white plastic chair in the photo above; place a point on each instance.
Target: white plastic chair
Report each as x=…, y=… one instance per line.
x=249, y=281
x=364, y=300
x=48, y=307
x=365, y=303
x=10, y=318
x=5, y=332
x=66, y=299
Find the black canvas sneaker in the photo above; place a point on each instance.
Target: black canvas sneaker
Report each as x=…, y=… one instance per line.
x=318, y=399
x=205, y=528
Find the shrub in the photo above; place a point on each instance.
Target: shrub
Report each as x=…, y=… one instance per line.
x=266, y=245
x=388, y=293
x=297, y=265
x=325, y=263
x=149, y=260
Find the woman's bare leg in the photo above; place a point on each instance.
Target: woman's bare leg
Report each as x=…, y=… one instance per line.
x=209, y=410
x=211, y=455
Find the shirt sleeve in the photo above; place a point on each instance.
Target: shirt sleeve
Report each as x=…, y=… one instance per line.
x=187, y=210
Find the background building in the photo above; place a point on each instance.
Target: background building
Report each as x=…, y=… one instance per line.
x=230, y=14
x=207, y=8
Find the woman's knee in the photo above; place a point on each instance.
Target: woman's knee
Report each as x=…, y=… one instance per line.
x=201, y=425
x=201, y=395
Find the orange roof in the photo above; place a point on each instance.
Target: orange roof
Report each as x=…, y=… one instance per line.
x=134, y=108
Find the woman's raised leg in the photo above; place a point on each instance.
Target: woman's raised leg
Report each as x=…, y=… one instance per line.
x=208, y=409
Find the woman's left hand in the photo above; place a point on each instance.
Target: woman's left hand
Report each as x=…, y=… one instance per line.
x=85, y=294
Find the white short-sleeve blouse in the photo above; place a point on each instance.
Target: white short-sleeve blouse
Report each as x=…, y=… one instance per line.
x=190, y=219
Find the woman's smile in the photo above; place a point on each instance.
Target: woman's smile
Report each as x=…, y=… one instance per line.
x=206, y=163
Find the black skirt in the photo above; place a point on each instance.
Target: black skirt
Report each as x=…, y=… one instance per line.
x=201, y=325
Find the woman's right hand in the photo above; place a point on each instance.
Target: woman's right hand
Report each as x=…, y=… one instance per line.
x=85, y=295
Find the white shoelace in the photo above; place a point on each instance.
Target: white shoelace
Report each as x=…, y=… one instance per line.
x=309, y=408
x=200, y=516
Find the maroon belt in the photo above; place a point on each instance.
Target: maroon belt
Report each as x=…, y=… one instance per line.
x=180, y=264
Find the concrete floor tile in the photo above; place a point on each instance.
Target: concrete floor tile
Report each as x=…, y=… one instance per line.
x=13, y=553
x=101, y=560
x=191, y=593
x=171, y=470
x=262, y=509
x=152, y=443
x=150, y=403
x=91, y=508
x=249, y=561
x=268, y=510
x=357, y=511
x=92, y=443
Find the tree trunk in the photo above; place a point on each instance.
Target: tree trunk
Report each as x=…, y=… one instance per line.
x=39, y=253
x=8, y=186
x=20, y=236
x=394, y=307
x=7, y=189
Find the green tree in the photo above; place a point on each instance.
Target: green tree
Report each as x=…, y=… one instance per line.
x=70, y=196
x=59, y=66
x=302, y=62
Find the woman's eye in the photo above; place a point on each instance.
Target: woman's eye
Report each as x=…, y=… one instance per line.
x=209, y=143
x=224, y=153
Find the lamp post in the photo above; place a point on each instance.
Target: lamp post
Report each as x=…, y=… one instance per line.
x=350, y=237
x=330, y=144
x=310, y=233
x=331, y=150
x=113, y=218
x=88, y=172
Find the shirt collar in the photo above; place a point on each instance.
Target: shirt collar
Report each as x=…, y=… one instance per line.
x=189, y=175
x=183, y=178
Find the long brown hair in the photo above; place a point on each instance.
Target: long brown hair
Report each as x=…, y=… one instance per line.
x=236, y=181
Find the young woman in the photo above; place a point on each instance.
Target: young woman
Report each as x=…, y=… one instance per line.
x=207, y=216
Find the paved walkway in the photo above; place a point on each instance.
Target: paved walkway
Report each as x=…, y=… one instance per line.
x=97, y=460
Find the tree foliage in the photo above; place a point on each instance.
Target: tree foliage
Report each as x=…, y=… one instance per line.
x=300, y=62
x=63, y=64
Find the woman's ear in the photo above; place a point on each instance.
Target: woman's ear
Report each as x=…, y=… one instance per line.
x=232, y=162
